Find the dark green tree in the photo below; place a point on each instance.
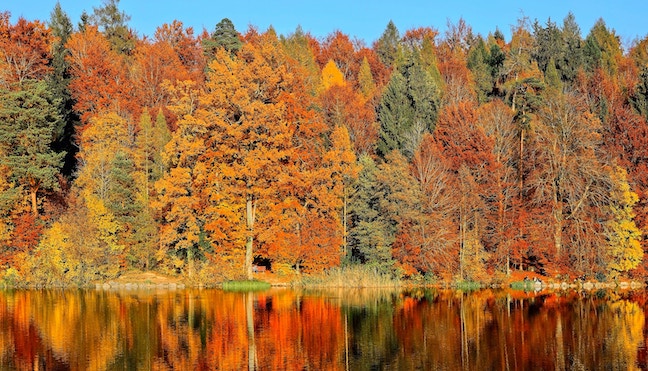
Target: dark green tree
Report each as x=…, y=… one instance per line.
x=121, y=197
x=408, y=108
x=84, y=20
x=572, y=60
x=224, y=36
x=371, y=233
x=602, y=48
x=58, y=81
x=114, y=25
x=549, y=44
x=478, y=57
x=592, y=53
x=394, y=114
x=639, y=98
x=552, y=78
x=388, y=45
x=28, y=122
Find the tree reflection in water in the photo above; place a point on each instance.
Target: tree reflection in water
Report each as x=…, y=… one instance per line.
x=324, y=330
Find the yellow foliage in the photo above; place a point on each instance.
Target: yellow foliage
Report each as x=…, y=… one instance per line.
x=100, y=141
x=48, y=264
x=332, y=76
x=624, y=246
x=104, y=221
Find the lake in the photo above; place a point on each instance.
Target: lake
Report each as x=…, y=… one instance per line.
x=285, y=329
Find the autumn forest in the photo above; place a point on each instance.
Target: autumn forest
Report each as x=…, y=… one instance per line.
x=200, y=154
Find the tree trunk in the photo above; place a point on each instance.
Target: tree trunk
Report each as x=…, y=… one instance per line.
x=250, y=210
x=34, y=204
x=558, y=226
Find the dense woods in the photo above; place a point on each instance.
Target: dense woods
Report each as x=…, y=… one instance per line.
x=449, y=156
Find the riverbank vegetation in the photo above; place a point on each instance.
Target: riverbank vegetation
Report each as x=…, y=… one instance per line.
x=424, y=156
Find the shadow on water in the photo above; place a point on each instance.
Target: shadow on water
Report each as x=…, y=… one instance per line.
x=332, y=329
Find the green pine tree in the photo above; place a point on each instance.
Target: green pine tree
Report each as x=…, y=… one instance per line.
x=28, y=122
x=224, y=36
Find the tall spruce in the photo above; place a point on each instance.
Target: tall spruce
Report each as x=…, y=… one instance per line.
x=572, y=60
x=388, y=44
x=408, y=108
x=58, y=82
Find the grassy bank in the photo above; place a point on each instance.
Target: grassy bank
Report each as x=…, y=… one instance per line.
x=253, y=285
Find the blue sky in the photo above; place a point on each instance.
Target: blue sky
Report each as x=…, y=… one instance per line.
x=365, y=20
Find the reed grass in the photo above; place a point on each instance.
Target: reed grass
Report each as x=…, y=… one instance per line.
x=356, y=276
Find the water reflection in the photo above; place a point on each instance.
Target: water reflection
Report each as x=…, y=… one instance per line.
x=322, y=330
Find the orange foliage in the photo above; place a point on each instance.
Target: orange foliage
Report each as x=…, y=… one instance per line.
x=24, y=50
x=185, y=45
x=99, y=80
x=339, y=48
x=343, y=106
x=152, y=65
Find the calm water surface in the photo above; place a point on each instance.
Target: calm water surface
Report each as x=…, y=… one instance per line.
x=322, y=330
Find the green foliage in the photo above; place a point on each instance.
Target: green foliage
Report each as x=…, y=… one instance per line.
x=298, y=47
x=365, y=79
x=388, y=45
x=58, y=81
x=573, y=59
x=549, y=44
x=408, y=108
x=224, y=36
x=602, y=48
x=394, y=114
x=113, y=23
x=552, y=79
x=28, y=121
x=122, y=192
x=478, y=57
x=639, y=98
x=371, y=233
x=467, y=285
x=522, y=285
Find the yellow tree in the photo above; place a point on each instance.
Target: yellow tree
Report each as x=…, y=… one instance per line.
x=331, y=75
x=624, y=238
x=104, y=136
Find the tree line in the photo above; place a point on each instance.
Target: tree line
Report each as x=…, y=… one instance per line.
x=444, y=156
